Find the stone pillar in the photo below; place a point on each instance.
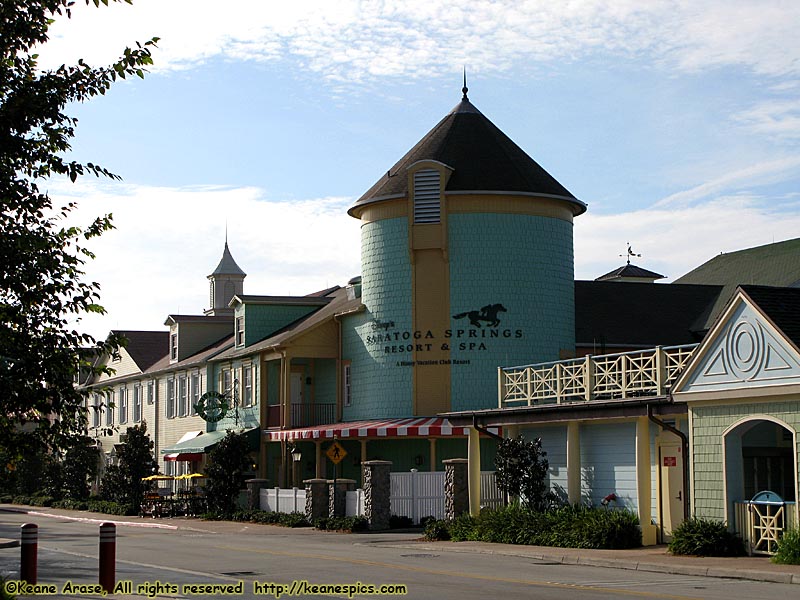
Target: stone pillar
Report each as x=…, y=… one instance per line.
x=337, y=496
x=254, y=487
x=456, y=487
x=316, y=499
x=377, y=493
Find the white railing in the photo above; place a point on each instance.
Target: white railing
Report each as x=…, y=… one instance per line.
x=650, y=372
x=354, y=505
x=760, y=525
x=283, y=500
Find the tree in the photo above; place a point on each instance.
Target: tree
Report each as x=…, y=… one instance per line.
x=521, y=471
x=229, y=462
x=123, y=482
x=42, y=293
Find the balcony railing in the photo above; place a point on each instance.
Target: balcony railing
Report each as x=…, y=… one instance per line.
x=308, y=415
x=650, y=372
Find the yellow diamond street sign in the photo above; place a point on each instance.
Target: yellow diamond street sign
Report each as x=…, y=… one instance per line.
x=336, y=453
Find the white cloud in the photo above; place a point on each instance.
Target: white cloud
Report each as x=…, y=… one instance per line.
x=356, y=42
x=778, y=119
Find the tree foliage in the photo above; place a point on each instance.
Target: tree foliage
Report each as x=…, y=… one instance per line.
x=229, y=461
x=122, y=482
x=521, y=471
x=42, y=292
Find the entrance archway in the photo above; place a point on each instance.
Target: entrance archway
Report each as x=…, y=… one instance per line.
x=760, y=454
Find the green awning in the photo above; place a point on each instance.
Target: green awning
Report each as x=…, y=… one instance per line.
x=205, y=441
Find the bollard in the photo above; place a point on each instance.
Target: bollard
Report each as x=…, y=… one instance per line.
x=29, y=547
x=108, y=556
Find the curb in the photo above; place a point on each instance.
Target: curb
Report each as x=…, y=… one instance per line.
x=624, y=564
x=8, y=543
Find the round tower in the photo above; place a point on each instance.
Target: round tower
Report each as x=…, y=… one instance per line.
x=467, y=265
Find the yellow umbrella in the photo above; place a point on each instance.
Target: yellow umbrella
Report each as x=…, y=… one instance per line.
x=157, y=478
x=193, y=475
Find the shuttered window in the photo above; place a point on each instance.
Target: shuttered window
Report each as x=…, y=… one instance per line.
x=427, y=201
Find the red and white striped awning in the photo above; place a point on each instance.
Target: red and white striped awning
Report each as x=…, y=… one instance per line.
x=383, y=428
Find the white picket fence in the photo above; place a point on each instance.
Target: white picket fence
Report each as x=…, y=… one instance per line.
x=416, y=494
x=283, y=500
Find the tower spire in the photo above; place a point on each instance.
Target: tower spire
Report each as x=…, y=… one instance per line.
x=465, y=89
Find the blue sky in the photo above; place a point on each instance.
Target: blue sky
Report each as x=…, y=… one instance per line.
x=678, y=123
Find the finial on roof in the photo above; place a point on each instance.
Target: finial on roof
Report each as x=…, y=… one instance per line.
x=465, y=89
x=630, y=253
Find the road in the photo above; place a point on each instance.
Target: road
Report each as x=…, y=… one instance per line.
x=261, y=557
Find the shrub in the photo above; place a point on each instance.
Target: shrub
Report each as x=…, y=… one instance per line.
x=398, y=522
x=436, y=531
x=788, y=552
x=112, y=508
x=705, y=537
x=348, y=524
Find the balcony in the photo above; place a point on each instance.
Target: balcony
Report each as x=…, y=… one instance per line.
x=650, y=372
x=303, y=415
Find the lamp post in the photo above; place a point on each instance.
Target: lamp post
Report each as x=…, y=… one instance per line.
x=296, y=456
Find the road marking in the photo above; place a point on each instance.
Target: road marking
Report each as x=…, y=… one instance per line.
x=553, y=584
x=88, y=520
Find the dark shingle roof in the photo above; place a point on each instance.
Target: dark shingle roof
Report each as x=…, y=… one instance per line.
x=227, y=266
x=772, y=265
x=146, y=347
x=623, y=314
x=629, y=270
x=482, y=157
x=781, y=305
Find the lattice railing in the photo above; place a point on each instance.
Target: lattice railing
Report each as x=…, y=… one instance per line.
x=650, y=372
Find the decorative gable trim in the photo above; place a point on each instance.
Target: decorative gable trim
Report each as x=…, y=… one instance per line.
x=743, y=350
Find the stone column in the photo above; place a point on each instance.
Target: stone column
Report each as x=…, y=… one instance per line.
x=254, y=487
x=337, y=496
x=316, y=499
x=377, y=493
x=456, y=487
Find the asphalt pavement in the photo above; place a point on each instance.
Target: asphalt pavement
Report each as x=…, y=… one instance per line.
x=651, y=559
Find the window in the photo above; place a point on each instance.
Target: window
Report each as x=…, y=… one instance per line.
x=226, y=383
x=170, y=398
x=96, y=408
x=122, y=405
x=151, y=392
x=195, y=392
x=247, y=385
x=169, y=467
x=427, y=204
x=173, y=346
x=347, y=397
x=109, y=411
x=240, y=331
x=137, y=402
x=183, y=399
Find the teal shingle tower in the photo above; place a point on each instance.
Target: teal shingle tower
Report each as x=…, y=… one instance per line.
x=467, y=264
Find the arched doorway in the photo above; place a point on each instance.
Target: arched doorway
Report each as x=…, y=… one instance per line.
x=760, y=454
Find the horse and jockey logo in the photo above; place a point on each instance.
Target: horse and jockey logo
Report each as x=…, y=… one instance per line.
x=488, y=313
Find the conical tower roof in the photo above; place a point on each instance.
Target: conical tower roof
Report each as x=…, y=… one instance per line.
x=482, y=157
x=227, y=266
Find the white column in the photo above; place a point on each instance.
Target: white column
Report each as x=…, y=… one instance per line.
x=474, y=457
x=643, y=480
x=573, y=462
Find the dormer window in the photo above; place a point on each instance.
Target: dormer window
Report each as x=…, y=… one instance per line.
x=240, y=331
x=173, y=347
x=427, y=197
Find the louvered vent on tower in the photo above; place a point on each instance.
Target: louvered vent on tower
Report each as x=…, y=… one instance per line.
x=427, y=201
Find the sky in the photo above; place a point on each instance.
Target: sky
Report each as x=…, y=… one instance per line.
x=676, y=122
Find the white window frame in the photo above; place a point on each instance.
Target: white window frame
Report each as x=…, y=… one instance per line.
x=151, y=392
x=226, y=382
x=173, y=347
x=239, y=330
x=137, y=402
x=347, y=384
x=96, y=410
x=183, y=395
x=122, y=405
x=170, y=408
x=109, y=411
x=194, y=392
x=247, y=385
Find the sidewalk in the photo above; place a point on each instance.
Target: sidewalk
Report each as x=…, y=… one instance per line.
x=651, y=558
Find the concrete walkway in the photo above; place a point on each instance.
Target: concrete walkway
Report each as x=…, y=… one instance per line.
x=652, y=558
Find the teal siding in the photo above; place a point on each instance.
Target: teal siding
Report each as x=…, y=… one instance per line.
x=524, y=263
x=379, y=388
x=325, y=381
x=262, y=320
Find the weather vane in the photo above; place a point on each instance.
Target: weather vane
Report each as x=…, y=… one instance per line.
x=630, y=253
